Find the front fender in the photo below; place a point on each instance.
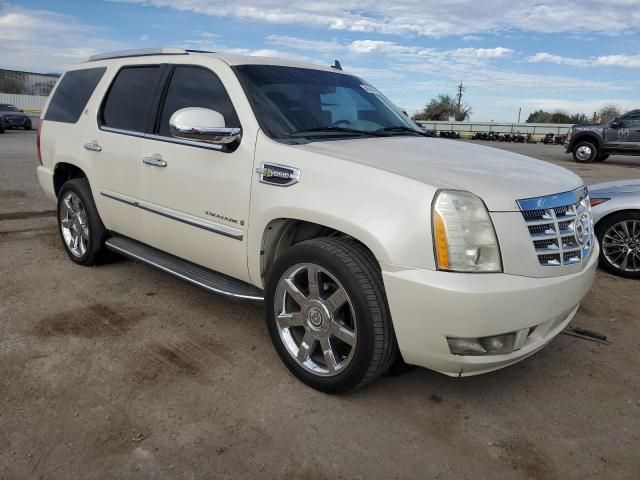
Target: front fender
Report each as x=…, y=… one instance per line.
x=582, y=136
x=388, y=213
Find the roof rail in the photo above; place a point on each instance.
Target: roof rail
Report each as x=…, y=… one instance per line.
x=139, y=52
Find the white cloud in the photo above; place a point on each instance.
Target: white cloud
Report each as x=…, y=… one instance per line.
x=44, y=41
x=215, y=46
x=144, y=38
x=302, y=44
x=432, y=18
x=498, y=52
x=624, y=61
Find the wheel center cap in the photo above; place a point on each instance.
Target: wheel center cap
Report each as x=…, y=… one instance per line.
x=315, y=318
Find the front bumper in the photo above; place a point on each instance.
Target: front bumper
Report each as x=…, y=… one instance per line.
x=428, y=306
x=15, y=121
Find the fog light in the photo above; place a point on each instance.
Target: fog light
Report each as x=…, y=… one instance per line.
x=482, y=346
x=498, y=344
x=466, y=346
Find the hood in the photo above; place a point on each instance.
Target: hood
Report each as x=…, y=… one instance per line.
x=497, y=176
x=590, y=125
x=620, y=187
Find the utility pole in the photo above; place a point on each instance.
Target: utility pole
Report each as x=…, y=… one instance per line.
x=519, y=112
x=460, y=92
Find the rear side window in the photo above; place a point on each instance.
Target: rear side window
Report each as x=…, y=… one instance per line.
x=196, y=87
x=130, y=98
x=72, y=95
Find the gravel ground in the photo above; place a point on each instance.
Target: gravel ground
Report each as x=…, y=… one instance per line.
x=124, y=372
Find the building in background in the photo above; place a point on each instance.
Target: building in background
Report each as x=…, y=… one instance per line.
x=27, y=83
x=26, y=90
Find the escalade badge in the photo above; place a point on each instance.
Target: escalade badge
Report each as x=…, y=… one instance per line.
x=276, y=174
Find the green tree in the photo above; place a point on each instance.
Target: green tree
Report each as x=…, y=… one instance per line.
x=578, y=118
x=442, y=107
x=539, y=116
x=558, y=116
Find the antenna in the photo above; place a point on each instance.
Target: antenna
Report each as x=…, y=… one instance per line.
x=336, y=65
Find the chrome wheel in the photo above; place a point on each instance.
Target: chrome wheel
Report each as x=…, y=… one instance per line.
x=74, y=225
x=621, y=245
x=315, y=319
x=584, y=153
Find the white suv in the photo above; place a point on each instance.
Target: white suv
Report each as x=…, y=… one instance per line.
x=304, y=187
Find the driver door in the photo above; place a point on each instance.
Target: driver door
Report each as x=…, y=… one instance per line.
x=626, y=134
x=195, y=194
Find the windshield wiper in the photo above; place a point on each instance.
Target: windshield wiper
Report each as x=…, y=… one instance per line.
x=402, y=129
x=353, y=131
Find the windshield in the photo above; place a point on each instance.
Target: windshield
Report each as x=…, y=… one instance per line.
x=4, y=107
x=293, y=104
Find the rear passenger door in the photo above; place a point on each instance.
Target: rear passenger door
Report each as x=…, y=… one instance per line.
x=126, y=114
x=196, y=195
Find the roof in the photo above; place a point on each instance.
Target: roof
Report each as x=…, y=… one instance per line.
x=229, y=59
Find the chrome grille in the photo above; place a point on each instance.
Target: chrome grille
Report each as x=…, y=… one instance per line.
x=561, y=227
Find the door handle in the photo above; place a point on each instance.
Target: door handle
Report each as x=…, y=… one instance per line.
x=154, y=161
x=93, y=147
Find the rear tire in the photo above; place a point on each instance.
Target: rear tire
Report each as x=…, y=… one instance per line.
x=331, y=349
x=27, y=126
x=79, y=224
x=585, y=152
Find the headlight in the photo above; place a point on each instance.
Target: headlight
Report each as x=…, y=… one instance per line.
x=463, y=234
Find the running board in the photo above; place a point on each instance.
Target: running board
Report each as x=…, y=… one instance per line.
x=202, y=277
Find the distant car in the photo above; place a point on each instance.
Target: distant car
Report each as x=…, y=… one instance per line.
x=13, y=117
x=595, y=142
x=616, y=215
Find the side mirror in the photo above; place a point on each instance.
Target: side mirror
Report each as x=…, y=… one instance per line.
x=615, y=123
x=202, y=125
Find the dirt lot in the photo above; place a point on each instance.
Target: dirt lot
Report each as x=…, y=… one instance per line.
x=124, y=372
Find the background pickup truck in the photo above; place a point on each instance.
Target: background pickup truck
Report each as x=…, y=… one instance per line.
x=594, y=143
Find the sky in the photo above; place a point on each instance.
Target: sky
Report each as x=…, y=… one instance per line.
x=572, y=55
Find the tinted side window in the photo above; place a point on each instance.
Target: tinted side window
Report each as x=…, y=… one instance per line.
x=631, y=121
x=130, y=98
x=196, y=87
x=72, y=95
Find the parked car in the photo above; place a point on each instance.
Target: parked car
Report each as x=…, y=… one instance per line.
x=594, y=143
x=616, y=214
x=13, y=117
x=304, y=188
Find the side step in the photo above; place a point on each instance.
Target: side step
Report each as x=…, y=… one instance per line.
x=202, y=277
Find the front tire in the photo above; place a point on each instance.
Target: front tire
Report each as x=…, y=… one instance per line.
x=619, y=238
x=585, y=152
x=79, y=224
x=328, y=316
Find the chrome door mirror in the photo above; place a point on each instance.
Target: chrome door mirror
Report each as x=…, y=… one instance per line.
x=202, y=125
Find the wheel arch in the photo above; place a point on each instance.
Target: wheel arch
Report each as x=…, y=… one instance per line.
x=284, y=232
x=615, y=212
x=64, y=172
x=587, y=136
